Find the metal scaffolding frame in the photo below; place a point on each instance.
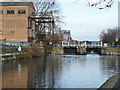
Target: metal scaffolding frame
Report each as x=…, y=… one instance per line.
x=43, y=20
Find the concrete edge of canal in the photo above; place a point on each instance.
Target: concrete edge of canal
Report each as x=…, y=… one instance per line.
x=111, y=82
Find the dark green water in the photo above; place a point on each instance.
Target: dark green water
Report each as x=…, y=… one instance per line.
x=59, y=71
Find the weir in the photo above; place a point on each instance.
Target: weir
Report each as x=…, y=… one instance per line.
x=74, y=50
x=81, y=50
x=70, y=50
x=96, y=50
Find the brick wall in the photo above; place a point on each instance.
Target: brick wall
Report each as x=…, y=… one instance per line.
x=15, y=26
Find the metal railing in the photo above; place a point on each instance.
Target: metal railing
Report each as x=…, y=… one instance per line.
x=81, y=45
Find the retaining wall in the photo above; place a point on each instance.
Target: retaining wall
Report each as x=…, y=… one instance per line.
x=111, y=82
x=57, y=51
x=110, y=51
x=11, y=52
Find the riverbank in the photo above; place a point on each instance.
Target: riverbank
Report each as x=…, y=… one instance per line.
x=111, y=82
x=9, y=52
x=12, y=56
x=110, y=51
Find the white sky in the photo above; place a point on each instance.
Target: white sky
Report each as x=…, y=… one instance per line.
x=86, y=23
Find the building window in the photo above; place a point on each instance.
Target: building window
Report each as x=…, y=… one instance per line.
x=10, y=11
x=21, y=11
x=1, y=11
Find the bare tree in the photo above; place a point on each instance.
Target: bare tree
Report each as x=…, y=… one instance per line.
x=51, y=10
x=101, y=4
x=109, y=36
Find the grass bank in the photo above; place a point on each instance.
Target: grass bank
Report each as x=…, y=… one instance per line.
x=113, y=47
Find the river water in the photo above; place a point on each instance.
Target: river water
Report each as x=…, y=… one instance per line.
x=59, y=71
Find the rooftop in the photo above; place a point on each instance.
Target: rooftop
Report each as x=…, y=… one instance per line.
x=67, y=32
x=14, y=3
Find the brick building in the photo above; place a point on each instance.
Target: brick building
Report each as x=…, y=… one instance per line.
x=14, y=22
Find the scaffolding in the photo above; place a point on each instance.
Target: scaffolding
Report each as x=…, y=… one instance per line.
x=47, y=31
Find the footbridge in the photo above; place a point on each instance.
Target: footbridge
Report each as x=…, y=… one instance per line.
x=83, y=48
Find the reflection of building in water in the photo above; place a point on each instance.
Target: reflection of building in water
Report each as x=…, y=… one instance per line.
x=14, y=75
x=53, y=71
x=36, y=73
x=58, y=71
x=43, y=72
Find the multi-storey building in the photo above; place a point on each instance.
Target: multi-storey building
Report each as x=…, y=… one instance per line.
x=14, y=22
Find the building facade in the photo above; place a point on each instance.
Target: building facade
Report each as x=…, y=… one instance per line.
x=66, y=37
x=14, y=22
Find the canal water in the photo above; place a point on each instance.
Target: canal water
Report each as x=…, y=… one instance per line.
x=59, y=71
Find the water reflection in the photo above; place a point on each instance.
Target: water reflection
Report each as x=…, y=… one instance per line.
x=109, y=65
x=65, y=71
x=14, y=74
x=36, y=72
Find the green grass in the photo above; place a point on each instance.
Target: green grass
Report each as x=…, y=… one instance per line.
x=114, y=47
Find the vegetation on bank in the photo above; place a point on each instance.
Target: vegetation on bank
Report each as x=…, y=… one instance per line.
x=113, y=47
x=48, y=49
x=109, y=36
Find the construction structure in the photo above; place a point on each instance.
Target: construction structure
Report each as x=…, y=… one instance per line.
x=47, y=31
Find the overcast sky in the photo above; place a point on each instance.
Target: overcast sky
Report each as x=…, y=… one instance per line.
x=86, y=23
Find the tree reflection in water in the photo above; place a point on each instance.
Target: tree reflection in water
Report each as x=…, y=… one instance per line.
x=65, y=71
